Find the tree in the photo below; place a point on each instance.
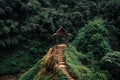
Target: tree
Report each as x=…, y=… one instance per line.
x=111, y=62
x=93, y=37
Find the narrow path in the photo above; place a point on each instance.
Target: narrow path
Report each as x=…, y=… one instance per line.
x=62, y=63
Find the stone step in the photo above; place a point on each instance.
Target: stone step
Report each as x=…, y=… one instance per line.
x=60, y=50
x=61, y=62
x=61, y=47
x=60, y=54
x=60, y=57
x=62, y=66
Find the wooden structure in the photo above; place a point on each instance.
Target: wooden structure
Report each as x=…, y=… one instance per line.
x=60, y=33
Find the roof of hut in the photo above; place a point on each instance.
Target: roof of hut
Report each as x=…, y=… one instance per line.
x=61, y=32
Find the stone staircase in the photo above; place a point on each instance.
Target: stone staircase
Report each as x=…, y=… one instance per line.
x=62, y=63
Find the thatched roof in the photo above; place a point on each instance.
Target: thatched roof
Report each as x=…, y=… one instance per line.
x=61, y=32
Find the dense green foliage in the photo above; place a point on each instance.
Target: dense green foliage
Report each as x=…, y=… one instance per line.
x=23, y=28
x=18, y=61
x=111, y=62
x=40, y=19
x=93, y=38
x=79, y=70
x=29, y=75
x=34, y=72
x=26, y=27
x=74, y=65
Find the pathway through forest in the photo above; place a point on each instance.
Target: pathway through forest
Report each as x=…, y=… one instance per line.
x=62, y=62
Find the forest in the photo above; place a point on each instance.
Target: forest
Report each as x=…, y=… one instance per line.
x=92, y=51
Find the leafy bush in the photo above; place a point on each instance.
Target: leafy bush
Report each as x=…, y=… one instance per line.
x=78, y=70
x=94, y=38
x=111, y=62
x=29, y=75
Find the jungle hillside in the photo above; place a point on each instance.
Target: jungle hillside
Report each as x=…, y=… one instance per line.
x=59, y=39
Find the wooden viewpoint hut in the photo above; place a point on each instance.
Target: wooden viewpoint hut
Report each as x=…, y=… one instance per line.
x=61, y=32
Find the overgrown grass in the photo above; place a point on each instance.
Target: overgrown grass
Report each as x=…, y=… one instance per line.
x=29, y=75
x=45, y=69
x=74, y=65
x=51, y=76
x=78, y=70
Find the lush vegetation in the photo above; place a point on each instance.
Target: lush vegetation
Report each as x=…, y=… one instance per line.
x=45, y=69
x=78, y=69
x=26, y=27
x=111, y=62
x=93, y=38
x=74, y=65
